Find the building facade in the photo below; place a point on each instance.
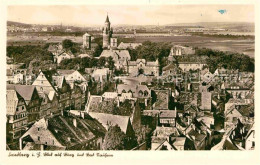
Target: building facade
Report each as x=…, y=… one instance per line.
x=141, y=66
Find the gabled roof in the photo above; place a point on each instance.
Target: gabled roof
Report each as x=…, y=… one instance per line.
x=51, y=95
x=108, y=119
x=40, y=134
x=26, y=91
x=121, y=54
x=170, y=66
x=191, y=107
x=12, y=99
x=58, y=81
x=225, y=144
x=166, y=144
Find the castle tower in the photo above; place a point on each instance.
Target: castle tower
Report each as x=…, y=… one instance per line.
x=107, y=34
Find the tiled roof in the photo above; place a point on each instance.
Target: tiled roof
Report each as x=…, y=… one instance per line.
x=26, y=91
x=65, y=72
x=120, y=54
x=108, y=119
x=167, y=113
x=165, y=132
x=12, y=98
x=97, y=104
x=179, y=141
x=162, y=98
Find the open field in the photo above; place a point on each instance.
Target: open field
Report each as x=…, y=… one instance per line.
x=238, y=45
x=222, y=44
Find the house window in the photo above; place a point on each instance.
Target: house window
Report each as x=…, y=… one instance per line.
x=145, y=93
x=253, y=144
x=38, y=129
x=39, y=138
x=140, y=93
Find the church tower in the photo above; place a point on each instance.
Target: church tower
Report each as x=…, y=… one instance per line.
x=107, y=34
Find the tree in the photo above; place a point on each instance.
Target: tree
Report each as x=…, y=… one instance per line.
x=26, y=54
x=67, y=44
x=114, y=139
x=101, y=62
x=110, y=63
x=98, y=50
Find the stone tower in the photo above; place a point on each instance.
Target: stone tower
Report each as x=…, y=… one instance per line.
x=107, y=34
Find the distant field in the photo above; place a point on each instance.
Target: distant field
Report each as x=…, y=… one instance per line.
x=224, y=44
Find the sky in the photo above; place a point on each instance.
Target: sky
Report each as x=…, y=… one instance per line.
x=88, y=15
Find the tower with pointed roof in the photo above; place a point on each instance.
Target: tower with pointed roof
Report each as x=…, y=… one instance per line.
x=107, y=33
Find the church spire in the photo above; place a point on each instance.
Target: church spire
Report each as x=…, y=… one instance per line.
x=107, y=20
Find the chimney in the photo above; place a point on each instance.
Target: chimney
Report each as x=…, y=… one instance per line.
x=74, y=122
x=82, y=114
x=189, y=120
x=118, y=103
x=188, y=86
x=47, y=122
x=42, y=147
